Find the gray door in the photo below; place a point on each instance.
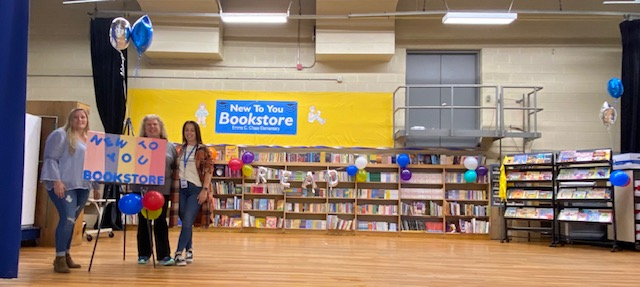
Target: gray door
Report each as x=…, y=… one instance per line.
x=446, y=69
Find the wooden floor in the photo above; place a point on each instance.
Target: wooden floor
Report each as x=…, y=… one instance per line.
x=250, y=259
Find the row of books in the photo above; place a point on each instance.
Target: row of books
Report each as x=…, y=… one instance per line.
x=529, y=212
x=584, y=173
x=305, y=192
x=249, y=220
x=584, y=193
x=421, y=225
x=529, y=175
x=232, y=203
x=472, y=226
x=458, y=177
x=425, y=178
x=341, y=207
x=262, y=204
x=421, y=208
x=378, y=209
x=378, y=193
x=584, y=156
x=305, y=224
x=539, y=158
x=305, y=207
x=466, y=194
x=529, y=194
x=376, y=226
x=588, y=215
x=422, y=193
x=334, y=222
x=454, y=208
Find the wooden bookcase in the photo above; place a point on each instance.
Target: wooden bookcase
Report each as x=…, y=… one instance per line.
x=430, y=204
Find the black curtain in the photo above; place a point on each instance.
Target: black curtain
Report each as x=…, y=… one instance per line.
x=630, y=101
x=109, y=86
x=107, y=81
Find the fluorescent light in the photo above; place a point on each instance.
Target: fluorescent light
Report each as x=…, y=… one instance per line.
x=254, y=17
x=82, y=1
x=479, y=18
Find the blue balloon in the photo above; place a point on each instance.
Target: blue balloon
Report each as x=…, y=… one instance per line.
x=142, y=33
x=618, y=178
x=130, y=204
x=615, y=88
x=403, y=160
x=470, y=176
x=352, y=170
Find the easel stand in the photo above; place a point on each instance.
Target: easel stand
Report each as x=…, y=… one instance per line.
x=128, y=130
x=124, y=230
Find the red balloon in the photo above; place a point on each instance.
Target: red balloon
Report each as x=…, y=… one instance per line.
x=153, y=200
x=235, y=164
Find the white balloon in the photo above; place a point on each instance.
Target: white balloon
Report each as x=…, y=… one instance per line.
x=285, y=179
x=262, y=173
x=332, y=178
x=608, y=115
x=361, y=162
x=471, y=163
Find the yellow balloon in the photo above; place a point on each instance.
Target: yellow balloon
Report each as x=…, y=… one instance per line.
x=361, y=176
x=247, y=170
x=151, y=214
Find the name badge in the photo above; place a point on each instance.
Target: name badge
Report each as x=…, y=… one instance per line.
x=183, y=183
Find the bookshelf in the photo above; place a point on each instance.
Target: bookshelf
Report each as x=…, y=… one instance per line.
x=529, y=207
x=435, y=201
x=584, y=195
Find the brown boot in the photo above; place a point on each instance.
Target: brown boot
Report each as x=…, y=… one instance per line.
x=70, y=262
x=60, y=265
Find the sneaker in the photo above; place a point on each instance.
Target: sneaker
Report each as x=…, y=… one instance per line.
x=189, y=257
x=167, y=261
x=180, y=261
x=143, y=260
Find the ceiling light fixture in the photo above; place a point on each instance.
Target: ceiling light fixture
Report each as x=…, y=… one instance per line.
x=621, y=2
x=479, y=18
x=83, y=1
x=267, y=18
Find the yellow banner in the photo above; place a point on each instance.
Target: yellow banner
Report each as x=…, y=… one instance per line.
x=311, y=119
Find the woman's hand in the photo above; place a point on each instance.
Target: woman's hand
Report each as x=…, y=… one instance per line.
x=203, y=196
x=59, y=188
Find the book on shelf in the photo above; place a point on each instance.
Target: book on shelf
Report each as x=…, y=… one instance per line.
x=231, y=151
x=584, y=156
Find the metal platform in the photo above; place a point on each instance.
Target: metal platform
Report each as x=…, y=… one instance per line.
x=524, y=99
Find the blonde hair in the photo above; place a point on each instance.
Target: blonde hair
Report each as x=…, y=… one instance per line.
x=72, y=139
x=163, y=131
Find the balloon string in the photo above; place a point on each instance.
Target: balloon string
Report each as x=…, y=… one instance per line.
x=124, y=82
x=138, y=63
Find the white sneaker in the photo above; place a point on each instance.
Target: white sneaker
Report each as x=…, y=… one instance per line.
x=180, y=261
x=189, y=257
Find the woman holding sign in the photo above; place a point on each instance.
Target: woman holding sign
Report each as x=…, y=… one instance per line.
x=62, y=175
x=196, y=169
x=153, y=127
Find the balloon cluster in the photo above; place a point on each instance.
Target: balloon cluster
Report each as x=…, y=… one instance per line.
x=358, y=170
x=150, y=205
x=619, y=178
x=121, y=33
x=473, y=169
x=403, y=161
x=608, y=113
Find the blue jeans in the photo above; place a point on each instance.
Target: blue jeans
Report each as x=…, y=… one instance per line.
x=69, y=208
x=188, y=209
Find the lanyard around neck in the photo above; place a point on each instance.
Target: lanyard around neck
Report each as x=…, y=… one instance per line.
x=186, y=157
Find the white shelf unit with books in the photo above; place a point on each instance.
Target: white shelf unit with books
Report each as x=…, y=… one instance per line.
x=435, y=201
x=529, y=207
x=584, y=195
